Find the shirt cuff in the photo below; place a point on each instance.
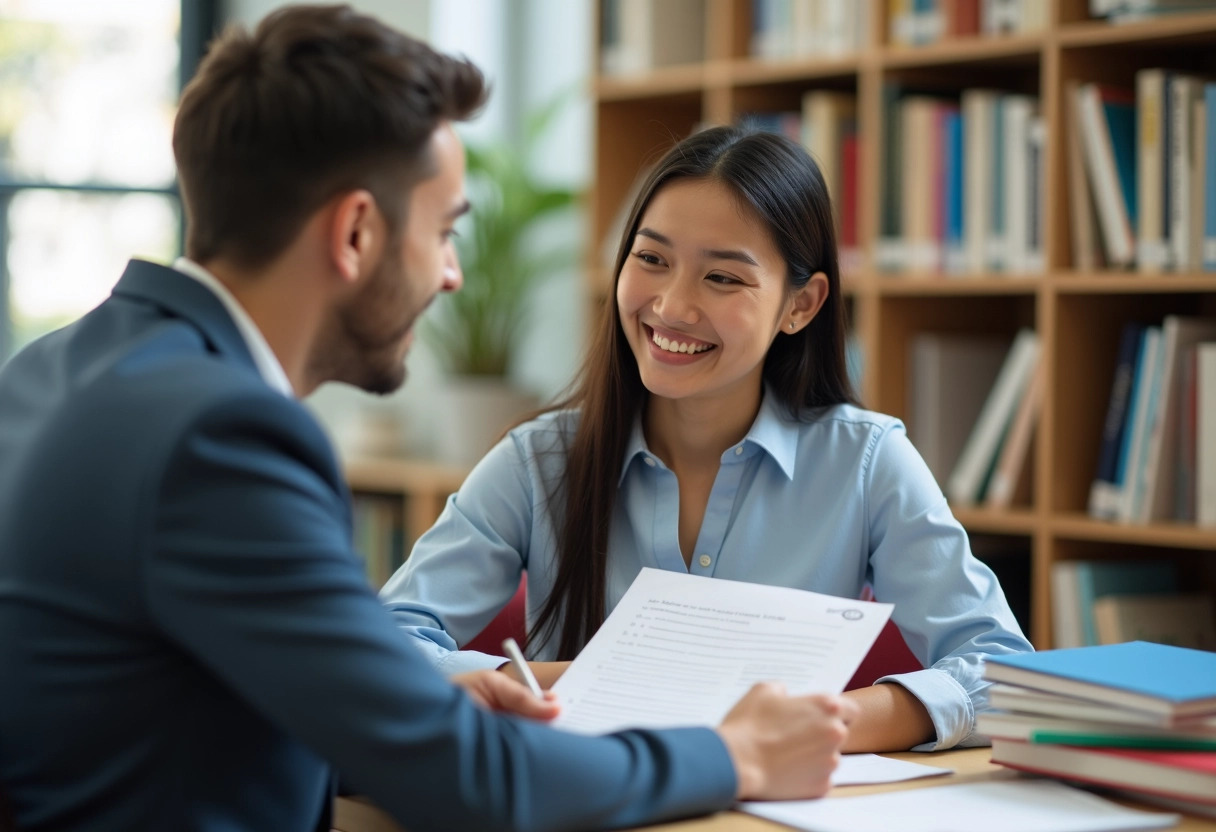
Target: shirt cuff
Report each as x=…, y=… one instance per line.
x=466, y=661
x=949, y=706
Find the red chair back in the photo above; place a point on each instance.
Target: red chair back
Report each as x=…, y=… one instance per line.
x=510, y=621
x=890, y=654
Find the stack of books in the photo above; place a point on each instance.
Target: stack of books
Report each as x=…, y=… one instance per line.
x=1137, y=718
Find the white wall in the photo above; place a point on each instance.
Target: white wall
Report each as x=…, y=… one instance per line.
x=530, y=50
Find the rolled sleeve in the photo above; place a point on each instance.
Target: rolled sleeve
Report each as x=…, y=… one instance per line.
x=948, y=703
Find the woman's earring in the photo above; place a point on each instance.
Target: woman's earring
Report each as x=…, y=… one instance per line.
x=791, y=326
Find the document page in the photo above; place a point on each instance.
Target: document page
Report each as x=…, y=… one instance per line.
x=1005, y=806
x=681, y=649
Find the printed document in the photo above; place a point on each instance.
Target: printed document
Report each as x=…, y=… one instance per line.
x=681, y=650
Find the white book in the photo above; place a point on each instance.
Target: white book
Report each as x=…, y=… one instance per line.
x=1151, y=250
x=1185, y=90
x=967, y=478
x=978, y=143
x=1177, y=335
x=1147, y=375
x=1019, y=110
x=1205, y=475
x=1104, y=177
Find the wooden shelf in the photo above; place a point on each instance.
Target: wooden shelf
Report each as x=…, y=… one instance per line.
x=1173, y=535
x=991, y=521
x=752, y=71
x=1021, y=50
x=1198, y=28
x=1132, y=282
x=911, y=285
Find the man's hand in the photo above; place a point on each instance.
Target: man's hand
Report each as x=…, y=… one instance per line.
x=546, y=673
x=785, y=747
x=499, y=692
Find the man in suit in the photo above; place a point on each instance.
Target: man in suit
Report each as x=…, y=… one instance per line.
x=187, y=641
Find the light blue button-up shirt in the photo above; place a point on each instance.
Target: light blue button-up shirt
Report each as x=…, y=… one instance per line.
x=826, y=505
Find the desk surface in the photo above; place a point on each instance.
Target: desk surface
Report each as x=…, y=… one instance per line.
x=970, y=766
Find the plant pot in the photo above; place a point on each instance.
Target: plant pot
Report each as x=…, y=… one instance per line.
x=474, y=411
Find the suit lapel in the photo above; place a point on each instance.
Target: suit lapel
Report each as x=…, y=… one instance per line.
x=186, y=298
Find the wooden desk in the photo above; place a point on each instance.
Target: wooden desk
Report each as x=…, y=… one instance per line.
x=970, y=765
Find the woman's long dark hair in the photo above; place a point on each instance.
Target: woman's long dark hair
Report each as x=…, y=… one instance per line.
x=805, y=370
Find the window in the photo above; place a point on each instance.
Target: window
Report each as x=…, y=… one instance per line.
x=88, y=92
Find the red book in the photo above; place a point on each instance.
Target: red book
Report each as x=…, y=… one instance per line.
x=848, y=191
x=1190, y=775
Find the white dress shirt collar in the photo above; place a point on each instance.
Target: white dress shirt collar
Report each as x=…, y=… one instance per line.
x=263, y=356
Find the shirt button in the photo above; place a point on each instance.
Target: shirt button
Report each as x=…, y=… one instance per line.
x=705, y=560
x=649, y=461
x=738, y=450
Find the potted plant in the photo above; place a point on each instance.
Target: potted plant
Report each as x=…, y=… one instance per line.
x=476, y=331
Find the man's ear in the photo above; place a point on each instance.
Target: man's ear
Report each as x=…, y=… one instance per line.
x=356, y=233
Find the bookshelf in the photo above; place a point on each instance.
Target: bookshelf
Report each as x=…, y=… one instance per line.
x=395, y=501
x=1078, y=314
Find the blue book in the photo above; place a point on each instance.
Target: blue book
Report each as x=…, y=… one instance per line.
x=952, y=188
x=1172, y=683
x=1097, y=579
x=1121, y=121
x=1104, y=493
x=1209, y=179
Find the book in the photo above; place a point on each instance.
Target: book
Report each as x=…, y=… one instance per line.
x=1027, y=702
x=949, y=376
x=1145, y=387
x=1205, y=438
x=1071, y=731
x=978, y=114
x=1182, y=619
x=1171, y=682
x=1209, y=178
x=1152, y=253
x=1015, y=449
x=1078, y=584
x=1082, y=219
x=1105, y=494
x=1178, y=334
x=979, y=451
x=1108, y=124
x=1190, y=775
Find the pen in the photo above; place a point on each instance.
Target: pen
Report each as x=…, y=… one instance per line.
x=521, y=666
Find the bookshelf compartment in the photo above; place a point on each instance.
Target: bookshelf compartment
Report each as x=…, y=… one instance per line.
x=1088, y=328
x=1009, y=556
x=900, y=319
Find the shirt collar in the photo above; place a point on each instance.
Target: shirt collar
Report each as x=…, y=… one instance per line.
x=263, y=356
x=773, y=431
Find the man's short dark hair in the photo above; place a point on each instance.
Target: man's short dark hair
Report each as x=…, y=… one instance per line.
x=317, y=101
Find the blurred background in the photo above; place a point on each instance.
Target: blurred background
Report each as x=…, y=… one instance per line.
x=88, y=92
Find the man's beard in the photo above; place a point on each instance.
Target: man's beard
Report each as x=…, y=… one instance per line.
x=362, y=347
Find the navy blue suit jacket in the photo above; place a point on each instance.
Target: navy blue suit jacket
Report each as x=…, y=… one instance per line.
x=187, y=641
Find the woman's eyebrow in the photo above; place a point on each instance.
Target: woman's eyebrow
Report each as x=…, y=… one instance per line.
x=711, y=253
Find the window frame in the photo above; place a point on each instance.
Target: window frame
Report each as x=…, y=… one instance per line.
x=200, y=20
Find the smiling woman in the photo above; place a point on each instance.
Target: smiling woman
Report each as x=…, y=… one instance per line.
x=714, y=432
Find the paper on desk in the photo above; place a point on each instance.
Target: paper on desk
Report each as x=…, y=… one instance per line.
x=865, y=769
x=1006, y=806
x=681, y=649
